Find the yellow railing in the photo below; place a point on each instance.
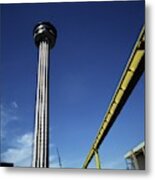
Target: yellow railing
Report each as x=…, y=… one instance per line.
x=130, y=77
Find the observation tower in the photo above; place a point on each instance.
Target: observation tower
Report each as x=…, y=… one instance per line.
x=44, y=35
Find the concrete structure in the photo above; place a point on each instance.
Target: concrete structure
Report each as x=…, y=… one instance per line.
x=6, y=164
x=45, y=36
x=135, y=158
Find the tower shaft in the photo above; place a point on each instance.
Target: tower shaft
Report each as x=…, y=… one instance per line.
x=41, y=134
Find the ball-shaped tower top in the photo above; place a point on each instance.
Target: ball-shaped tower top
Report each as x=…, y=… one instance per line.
x=45, y=31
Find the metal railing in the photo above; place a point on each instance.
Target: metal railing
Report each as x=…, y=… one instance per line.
x=130, y=77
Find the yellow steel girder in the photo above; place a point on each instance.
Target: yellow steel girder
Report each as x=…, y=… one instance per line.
x=130, y=77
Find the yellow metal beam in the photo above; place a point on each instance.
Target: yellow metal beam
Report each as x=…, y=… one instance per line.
x=97, y=160
x=130, y=77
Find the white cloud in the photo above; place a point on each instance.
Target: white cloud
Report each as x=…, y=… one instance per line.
x=14, y=117
x=8, y=113
x=14, y=105
x=21, y=154
x=26, y=139
x=53, y=161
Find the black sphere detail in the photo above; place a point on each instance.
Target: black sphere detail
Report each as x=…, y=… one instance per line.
x=45, y=31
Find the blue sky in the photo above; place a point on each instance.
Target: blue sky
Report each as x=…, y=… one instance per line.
x=92, y=48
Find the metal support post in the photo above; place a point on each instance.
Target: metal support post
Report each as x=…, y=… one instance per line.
x=97, y=159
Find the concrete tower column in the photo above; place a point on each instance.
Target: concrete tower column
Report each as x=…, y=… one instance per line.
x=45, y=36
